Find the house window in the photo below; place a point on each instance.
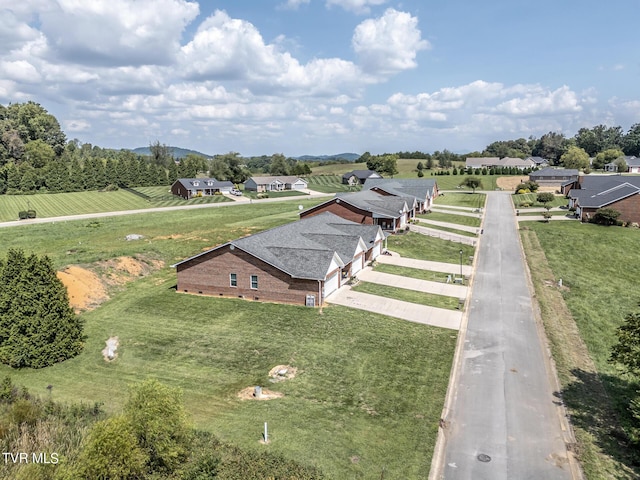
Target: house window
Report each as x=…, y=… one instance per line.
x=195, y=184
x=233, y=280
x=254, y=282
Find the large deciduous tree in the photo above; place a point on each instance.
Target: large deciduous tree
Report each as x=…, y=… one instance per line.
x=606, y=156
x=575, y=157
x=472, y=182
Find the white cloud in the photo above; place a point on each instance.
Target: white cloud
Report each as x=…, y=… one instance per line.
x=74, y=126
x=356, y=6
x=293, y=4
x=117, y=32
x=538, y=101
x=20, y=71
x=388, y=44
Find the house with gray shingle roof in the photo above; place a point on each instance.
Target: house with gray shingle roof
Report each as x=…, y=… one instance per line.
x=301, y=262
x=619, y=192
x=370, y=208
x=275, y=183
x=200, y=187
x=424, y=191
x=358, y=177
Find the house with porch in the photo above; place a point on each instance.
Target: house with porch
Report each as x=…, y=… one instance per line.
x=301, y=263
x=424, y=191
x=275, y=183
x=368, y=207
x=200, y=187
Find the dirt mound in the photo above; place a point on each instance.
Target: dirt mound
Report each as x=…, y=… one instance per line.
x=85, y=289
x=88, y=285
x=280, y=373
x=249, y=394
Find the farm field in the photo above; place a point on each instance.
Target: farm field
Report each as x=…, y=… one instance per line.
x=356, y=394
x=75, y=203
x=329, y=183
x=597, y=294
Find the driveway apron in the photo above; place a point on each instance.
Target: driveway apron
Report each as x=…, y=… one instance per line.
x=503, y=423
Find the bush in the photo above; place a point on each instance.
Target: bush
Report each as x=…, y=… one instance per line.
x=31, y=214
x=23, y=215
x=606, y=216
x=545, y=197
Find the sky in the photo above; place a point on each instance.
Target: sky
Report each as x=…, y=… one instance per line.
x=322, y=76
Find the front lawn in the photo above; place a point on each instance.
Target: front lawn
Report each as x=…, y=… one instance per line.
x=421, y=298
x=418, y=273
x=423, y=247
x=452, y=218
x=471, y=200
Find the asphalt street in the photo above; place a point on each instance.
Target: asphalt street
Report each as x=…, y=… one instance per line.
x=503, y=420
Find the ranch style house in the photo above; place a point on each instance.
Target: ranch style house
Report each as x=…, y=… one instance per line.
x=588, y=193
x=300, y=263
x=199, y=187
x=358, y=177
x=275, y=184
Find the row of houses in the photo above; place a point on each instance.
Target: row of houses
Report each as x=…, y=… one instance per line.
x=492, y=162
x=203, y=187
x=305, y=261
x=588, y=193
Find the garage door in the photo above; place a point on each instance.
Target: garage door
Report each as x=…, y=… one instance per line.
x=377, y=250
x=356, y=266
x=331, y=284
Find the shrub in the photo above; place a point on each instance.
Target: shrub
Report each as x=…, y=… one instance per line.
x=31, y=214
x=606, y=216
x=545, y=197
x=23, y=215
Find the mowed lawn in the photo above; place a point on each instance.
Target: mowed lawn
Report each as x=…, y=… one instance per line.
x=329, y=183
x=76, y=203
x=467, y=199
x=599, y=278
x=369, y=390
x=452, y=218
x=422, y=247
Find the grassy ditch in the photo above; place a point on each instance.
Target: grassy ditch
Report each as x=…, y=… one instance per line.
x=580, y=319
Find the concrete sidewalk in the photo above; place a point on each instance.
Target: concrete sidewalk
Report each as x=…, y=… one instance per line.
x=456, y=226
x=452, y=268
x=412, y=312
x=426, y=286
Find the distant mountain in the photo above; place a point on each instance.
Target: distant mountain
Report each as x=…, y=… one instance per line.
x=177, y=152
x=350, y=157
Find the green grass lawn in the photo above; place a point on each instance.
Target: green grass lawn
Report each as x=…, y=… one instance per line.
x=284, y=193
x=418, y=273
x=369, y=391
x=472, y=200
x=530, y=198
x=452, y=218
x=555, y=213
x=421, y=298
x=328, y=183
x=448, y=229
x=422, y=247
x=75, y=203
x=599, y=278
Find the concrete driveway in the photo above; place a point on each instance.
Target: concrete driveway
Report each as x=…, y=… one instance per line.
x=412, y=312
x=452, y=268
x=426, y=286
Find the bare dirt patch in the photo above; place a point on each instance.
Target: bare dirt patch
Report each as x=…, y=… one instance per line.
x=249, y=394
x=84, y=287
x=510, y=183
x=88, y=286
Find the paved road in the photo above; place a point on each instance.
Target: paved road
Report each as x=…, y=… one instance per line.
x=86, y=216
x=501, y=403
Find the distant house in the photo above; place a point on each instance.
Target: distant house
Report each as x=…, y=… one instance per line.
x=492, y=162
x=199, y=187
x=358, y=177
x=369, y=208
x=301, y=263
x=424, y=191
x=554, y=177
x=633, y=165
x=275, y=184
x=538, y=161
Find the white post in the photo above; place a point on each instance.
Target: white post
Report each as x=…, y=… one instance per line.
x=266, y=435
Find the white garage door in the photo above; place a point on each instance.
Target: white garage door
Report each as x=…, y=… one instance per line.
x=356, y=266
x=376, y=250
x=331, y=284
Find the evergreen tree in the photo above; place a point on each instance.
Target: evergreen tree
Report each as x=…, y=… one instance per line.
x=37, y=326
x=111, y=172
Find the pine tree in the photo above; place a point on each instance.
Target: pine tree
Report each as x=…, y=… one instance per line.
x=37, y=326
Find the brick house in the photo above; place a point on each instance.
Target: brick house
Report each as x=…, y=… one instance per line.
x=424, y=191
x=369, y=208
x=591, y=192
x=300, y=263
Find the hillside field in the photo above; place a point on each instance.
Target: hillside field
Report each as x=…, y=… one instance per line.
x=369, y=389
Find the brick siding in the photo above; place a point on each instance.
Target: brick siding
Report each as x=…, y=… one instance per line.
x=209, y=275
x=346, y=211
